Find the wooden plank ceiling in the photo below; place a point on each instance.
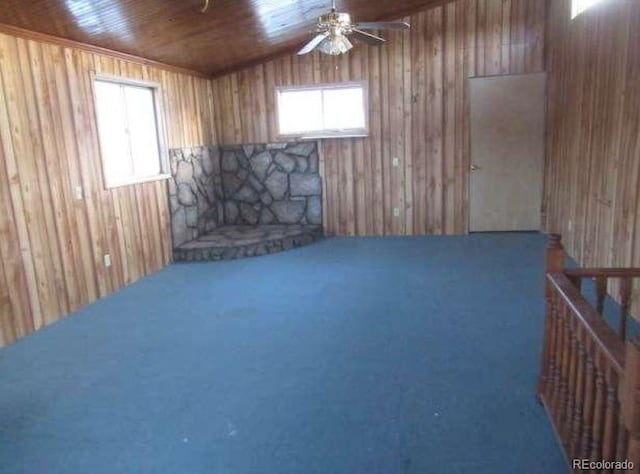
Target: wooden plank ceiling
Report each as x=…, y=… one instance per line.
x=231, y=35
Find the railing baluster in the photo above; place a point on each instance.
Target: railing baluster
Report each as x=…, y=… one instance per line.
x=578, y=404
x=599, y=407
x=549, y=383
x=601, y=292
x=611, y=416
x=577, y=281
x=589, y=400
x=621, y=443
x=557, y=351
x=565, y=374
x=559, y=404
x=625, y=301
x=567, y=418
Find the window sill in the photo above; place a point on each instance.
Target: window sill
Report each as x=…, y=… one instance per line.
x=326, y=137
x=120, y=184
x=323, y=136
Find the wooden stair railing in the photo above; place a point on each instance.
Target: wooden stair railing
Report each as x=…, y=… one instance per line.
x=589, y=379
x=601, y=276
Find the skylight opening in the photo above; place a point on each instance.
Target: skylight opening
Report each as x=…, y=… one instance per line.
x=579, y=6
x=90, y=18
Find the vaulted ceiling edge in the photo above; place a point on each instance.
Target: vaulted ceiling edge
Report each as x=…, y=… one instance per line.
x=231, y=35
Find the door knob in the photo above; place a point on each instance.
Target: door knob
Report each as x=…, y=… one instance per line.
x=475, y=168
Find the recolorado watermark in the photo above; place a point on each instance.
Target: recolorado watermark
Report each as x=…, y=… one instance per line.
x=589, y=465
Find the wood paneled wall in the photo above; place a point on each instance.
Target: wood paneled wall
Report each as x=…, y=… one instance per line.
x=51, y=243
x=418, y=113
x=593, y=146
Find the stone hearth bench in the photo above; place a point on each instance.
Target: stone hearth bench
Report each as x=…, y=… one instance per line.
x=239, y=241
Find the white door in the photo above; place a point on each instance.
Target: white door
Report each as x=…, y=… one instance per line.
x=507, y=152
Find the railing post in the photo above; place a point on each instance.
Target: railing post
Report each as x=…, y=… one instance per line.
x=553, y=263
x=630, y=399
x=554, y=254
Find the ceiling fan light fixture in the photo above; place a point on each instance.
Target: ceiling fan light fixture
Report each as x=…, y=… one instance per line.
x=333, y=29
x=335, y=45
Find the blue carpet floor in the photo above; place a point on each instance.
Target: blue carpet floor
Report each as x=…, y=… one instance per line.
x=349, y=356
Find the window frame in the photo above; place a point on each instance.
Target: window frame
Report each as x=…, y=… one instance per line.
x=327, y=133
x=163, y=151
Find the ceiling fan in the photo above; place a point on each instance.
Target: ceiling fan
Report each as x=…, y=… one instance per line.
x=334, y=28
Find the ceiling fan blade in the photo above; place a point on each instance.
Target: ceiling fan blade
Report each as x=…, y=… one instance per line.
x=384, y=25
x=313, y=44
x=367, y=37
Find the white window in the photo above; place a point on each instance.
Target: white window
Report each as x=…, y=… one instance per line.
x=323, y=111
x=128, y=127
x=578, y=6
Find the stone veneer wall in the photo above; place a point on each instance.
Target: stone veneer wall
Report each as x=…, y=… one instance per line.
x=271, y=184
x=195, y=192
x=243, y=185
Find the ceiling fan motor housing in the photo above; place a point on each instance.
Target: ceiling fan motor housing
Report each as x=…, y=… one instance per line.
x=336, y=23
